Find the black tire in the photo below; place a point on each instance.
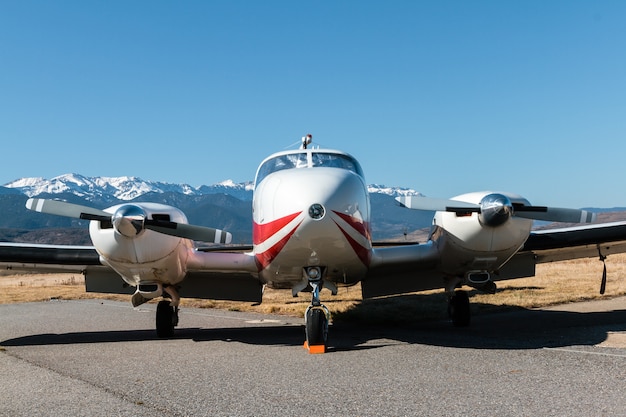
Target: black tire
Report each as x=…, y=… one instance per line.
x=459, y=309
x=164, y=319
x=316, y=327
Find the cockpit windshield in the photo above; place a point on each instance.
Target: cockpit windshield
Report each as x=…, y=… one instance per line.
x=309, y=159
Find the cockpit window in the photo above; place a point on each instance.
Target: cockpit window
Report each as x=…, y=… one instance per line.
x=301, y=160
x=334, y=160
x=281, y=162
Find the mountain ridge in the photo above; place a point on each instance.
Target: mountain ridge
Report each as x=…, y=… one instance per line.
x=127, y=188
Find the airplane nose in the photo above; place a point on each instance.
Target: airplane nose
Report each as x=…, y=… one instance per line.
x=315, y=192
x=337, y=191
x=315, y=217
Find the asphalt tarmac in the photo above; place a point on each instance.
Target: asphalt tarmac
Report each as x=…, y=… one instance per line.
x=102, y=358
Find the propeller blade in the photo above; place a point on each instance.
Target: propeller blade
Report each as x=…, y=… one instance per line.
x=189, y=231
x=551, y=214
x=555, y=214
x=436, y=204
x=62, y=208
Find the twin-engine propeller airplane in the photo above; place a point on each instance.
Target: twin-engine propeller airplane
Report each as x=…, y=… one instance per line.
x=311, y=229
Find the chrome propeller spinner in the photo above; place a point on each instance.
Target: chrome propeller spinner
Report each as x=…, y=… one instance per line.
x=495, y=210
x=129, y=220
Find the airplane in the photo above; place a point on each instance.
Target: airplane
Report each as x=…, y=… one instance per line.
x=311, y=230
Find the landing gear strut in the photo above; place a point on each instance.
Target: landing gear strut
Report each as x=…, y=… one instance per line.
x=316, y=320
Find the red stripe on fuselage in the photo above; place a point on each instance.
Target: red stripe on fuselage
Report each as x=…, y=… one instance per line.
x=262, y=232
x=364, y=254
x=357, y=224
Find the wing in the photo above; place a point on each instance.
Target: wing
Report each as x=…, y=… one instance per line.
x=84, y=260
x=212, y=273
x=48, y=258
x=576, y=242
x=416, y=267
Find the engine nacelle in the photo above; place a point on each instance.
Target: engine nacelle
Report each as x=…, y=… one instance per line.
x=140, y=255
x=469, y=241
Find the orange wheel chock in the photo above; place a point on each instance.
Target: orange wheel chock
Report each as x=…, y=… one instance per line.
x=315, y=349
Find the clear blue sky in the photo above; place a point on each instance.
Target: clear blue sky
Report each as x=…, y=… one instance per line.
x=445, y=97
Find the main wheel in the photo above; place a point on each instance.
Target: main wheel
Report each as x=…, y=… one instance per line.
x=459, y=309
x=316, y=327
x=164, y=319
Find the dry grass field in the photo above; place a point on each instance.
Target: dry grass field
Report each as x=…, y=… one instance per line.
x=555, y=283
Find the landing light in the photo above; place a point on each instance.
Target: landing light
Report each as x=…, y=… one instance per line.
x=314, y=273
x=316, y=211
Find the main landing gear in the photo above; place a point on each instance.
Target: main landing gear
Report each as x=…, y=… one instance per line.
x=459, y=308
x=167, y=313
x=458, y=303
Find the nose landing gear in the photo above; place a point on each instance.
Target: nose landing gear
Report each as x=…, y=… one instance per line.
x=316, y=318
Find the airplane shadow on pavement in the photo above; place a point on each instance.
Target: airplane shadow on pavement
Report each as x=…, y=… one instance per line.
x=512, y=329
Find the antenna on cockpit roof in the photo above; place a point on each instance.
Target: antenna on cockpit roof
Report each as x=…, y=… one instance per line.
x=306, y=140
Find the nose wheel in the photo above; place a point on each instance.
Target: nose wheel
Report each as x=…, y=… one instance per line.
x=316, y=318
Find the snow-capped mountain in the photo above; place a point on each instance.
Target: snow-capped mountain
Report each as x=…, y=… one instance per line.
x=121, y=188
x=392, y=191
x=129, y=188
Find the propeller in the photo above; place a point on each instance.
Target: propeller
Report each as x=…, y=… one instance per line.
x=495, y=209
x=129, y=220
